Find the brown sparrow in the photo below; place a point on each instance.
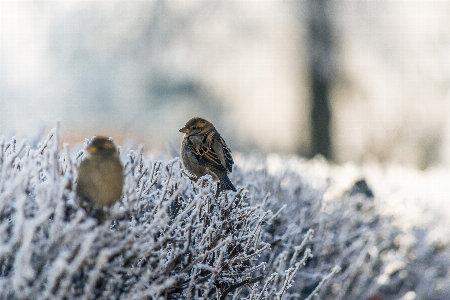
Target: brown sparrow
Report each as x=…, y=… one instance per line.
x=100, y=176
x=203, y=151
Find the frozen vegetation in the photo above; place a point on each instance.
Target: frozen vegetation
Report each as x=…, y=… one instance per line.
x=295, y=229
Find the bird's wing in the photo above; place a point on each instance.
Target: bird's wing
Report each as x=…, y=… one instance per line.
x=227, y=155
x=205, y=151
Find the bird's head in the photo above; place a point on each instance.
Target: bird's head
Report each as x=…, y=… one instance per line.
x=197, y=126
x=101, y=145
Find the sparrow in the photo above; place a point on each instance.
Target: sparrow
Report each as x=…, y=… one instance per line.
x=100, y=176
x=203, y=151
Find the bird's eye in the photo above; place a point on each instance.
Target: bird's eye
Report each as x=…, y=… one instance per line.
x=194, y=127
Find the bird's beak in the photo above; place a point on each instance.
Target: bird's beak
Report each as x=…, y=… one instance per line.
x=184, y=130
x=92, y=149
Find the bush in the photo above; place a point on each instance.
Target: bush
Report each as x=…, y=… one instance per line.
x=170, y=238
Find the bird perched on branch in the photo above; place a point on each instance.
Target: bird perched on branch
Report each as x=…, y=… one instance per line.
x=203, y=151
x=100, y=177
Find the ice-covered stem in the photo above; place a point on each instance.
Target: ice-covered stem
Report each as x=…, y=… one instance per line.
x=235, y=286
x=308, y=236
x=335, y=270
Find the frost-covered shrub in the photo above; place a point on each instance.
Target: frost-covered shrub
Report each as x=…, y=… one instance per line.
x=171, y=238
x=388, y=247
x=168, y=237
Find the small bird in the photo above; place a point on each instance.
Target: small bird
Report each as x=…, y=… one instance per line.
x=100, y=176
x=203, y=151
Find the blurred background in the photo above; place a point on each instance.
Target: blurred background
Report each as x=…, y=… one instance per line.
x=353, y=80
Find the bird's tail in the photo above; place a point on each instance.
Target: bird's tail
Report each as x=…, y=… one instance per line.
x=226, y=184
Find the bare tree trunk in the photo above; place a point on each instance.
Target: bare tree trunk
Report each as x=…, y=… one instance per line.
x=322, y=70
